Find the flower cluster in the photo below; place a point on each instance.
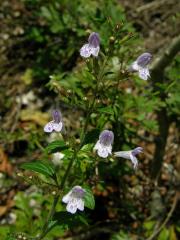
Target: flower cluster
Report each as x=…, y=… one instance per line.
x=140, y=65
x=104, y=148
x=75, y=197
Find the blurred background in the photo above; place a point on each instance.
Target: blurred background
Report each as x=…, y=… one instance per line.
x=39, y=39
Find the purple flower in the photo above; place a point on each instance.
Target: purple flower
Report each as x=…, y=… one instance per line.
x=140, y=65
x=92, y=47
x=130, y=155
x=74, y=199
x=56, y=124
x=104, y=144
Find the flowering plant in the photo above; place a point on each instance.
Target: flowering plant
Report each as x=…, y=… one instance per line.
x=89, y=66
x=72, y=149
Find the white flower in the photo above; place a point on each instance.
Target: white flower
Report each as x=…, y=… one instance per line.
x=56, y=124
x=140, y=65
x=130, y=155
x=12, y=218
x=74, y=199
x=56, y=159
x=104, y=144
x=92, y=47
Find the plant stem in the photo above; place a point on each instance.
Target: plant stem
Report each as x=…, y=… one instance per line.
x=68, y=170
x=45, y=228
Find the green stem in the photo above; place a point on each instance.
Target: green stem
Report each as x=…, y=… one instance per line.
x=45, y=228
x=86, y=124
x=68, y=170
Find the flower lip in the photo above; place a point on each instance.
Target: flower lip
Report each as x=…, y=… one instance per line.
x=106, y=137
x=56, y=116
x=144, y=59
x=94, y=40
x=137, y=151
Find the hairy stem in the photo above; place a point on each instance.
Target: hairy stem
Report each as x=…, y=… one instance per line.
x=45, y=228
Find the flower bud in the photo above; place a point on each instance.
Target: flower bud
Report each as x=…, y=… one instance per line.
x=112, y=39
x=19, y=174
x=69, y=91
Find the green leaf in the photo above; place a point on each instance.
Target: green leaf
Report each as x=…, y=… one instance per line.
x=66, y=218
x=40, y=167
x=83, y=219
x=172, y=233
x=10, y=237
x=52, y=224
x=108, y=110
x=164, y=235
x=120, y=236
x=149, y=225
x=89, y=200
x=56, y=146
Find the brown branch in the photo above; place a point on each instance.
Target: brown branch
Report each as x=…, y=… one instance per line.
x=157, y=74
x=165, y=59
x=153, y=5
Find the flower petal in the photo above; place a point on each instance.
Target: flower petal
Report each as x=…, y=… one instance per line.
x=80, y=204
x=57, y=126
x=94, y=39
x=106, y=138
x=144, y=59
x=134, y=66
x=96, y=147
x=144, y=73
x=49, y=127
x=103, y=151
x=95, y=51
x=56, y=114
x=72, y=206
x=137, y=151
x=134, y=161
x=85, y=51
x=67, y=198
x=123, y=154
